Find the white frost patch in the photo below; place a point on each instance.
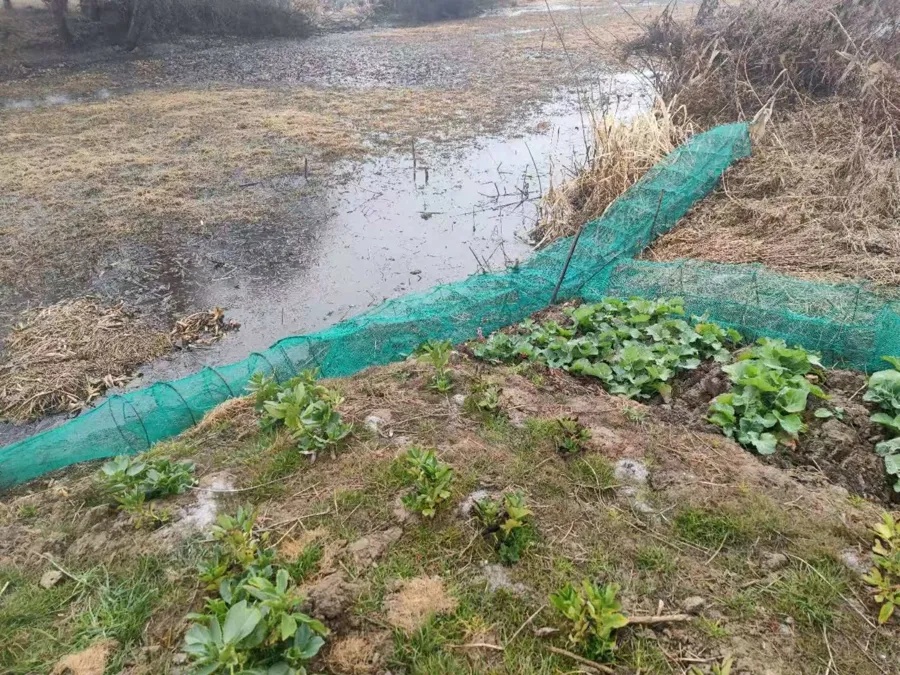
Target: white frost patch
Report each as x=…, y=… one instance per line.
x=202, y=513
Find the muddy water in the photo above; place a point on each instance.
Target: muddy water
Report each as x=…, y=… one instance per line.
x=392, y=225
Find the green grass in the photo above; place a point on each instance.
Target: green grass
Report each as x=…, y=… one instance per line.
x=707, y=528
x=43, y=625
x=593, y=471
x=27, y=511
x=811, y=594
x=712, y=629
x=306, y=563
x=655, y=559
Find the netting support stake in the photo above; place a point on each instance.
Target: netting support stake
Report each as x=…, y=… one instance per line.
x=566, y=265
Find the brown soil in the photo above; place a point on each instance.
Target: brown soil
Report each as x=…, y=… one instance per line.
x=818, y=198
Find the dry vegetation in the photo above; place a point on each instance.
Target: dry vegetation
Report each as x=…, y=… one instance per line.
x=621, y=153
x=818, y=198
x=761, y=557
x=59, y=358
x=821, y=194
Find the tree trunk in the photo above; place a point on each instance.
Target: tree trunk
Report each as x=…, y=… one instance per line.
x=7, y=4
x=59, y=8
x=139, y=17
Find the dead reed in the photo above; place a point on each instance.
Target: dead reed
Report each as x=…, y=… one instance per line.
x=620, y=154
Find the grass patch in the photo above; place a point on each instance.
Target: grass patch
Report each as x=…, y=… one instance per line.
x=44, y=624
x=811, y=594
x=593, y=471
x=655, y=559
x=707, y=528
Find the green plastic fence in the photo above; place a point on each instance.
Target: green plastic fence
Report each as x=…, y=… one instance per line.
x=849, y=324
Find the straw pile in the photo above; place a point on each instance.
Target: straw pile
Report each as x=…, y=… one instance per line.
x=60, y=358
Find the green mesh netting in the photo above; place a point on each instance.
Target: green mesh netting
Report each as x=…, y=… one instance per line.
x=849, y=324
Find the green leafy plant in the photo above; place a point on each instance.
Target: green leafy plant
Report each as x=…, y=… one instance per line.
x=263, y=388
x=884, y=578
x=132, y=481
x=771, y=384
x=570, y=435
x=484, y=398
x=508, y=524
x=308, y=410
x=437, y=353
x=884, y=389
x=634, y=347
x=252, y=623
x=430, y=479
x=594, y=614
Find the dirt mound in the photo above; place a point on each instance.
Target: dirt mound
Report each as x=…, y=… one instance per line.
x=656, y=502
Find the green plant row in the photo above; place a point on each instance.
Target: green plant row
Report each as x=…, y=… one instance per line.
x=634, y=347
x=884, y=389
x=770, y=387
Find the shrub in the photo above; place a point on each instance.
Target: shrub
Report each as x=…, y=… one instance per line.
x=436, y=10
x=132, y=481
x=884, y=578
x=770, y=386
x=253, y=622
x=507, y=524
x=306, y=409
x=734, y=57
x=884, y=389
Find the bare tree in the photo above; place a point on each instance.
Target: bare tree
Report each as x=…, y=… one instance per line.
x=140, y=17
x=7, y=4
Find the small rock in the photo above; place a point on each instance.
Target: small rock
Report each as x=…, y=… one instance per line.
x=785, y=629
x=180, y=659
x=465, y=508
x=631, y=471
x=373, y=423
x=91, y=517
x=497, y=578
x=774, y=561
x=51, y=578
x=854, y=561
x=693, y=604
x=458, y=400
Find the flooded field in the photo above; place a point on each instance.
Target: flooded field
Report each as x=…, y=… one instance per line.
x=296, y=183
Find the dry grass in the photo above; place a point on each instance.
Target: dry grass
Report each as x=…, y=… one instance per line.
x=61, y=357
x=622, y=152
x=732, y=59
x=819, y=197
